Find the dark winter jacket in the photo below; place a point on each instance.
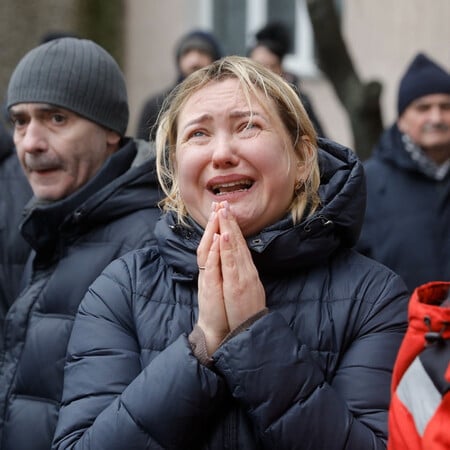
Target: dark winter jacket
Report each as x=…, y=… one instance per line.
x=74, y=240
x=15, y=192
x=313, y=373
x=407, y=219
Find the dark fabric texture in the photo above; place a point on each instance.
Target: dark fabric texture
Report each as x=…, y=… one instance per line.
x=312, y=373
x=75, y=74
x=15, y=192
x=408, y=215
x=74, y=240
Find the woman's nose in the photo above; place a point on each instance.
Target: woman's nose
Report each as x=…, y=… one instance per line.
x=225, y=152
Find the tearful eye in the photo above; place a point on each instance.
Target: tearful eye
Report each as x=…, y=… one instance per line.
x=250, y=129
x=197, y=134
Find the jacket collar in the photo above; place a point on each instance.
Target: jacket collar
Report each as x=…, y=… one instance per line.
x=45, y=221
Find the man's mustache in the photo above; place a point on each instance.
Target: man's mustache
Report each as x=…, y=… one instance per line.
x=441, y=126
x=41, y=162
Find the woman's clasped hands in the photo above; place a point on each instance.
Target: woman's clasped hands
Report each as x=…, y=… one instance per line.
x=229, y=288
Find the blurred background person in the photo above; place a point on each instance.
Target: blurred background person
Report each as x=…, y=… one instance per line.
x=272, y=44
x=407, y=222
x=194, y=50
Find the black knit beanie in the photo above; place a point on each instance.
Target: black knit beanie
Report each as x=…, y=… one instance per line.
x=75, y=74
x=423, y=77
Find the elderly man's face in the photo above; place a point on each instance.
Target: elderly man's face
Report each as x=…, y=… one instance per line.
x=59, y=150
x=427, y=122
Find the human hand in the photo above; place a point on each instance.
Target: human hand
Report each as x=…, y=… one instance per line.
x=243, y=292
x=212, y=318
x=230, y=290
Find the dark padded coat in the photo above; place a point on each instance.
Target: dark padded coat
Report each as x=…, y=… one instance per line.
x=15, y=192
x=74, y=240
x=407, y=223
x=314, y=373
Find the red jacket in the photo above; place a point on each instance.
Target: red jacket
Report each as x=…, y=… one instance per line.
x=419, y=415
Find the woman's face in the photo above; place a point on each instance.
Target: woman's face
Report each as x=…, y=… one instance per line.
x=229, y=150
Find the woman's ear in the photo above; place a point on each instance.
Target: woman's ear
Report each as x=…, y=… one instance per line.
x=304, y=162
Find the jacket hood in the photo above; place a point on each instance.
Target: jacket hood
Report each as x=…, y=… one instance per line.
x=283, y=246
x=4, y=151
x=390, y=148
x=6, y=143
x=126, y=183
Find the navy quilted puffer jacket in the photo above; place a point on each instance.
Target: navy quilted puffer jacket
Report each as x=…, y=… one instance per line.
x=407, y=223
x=314, y=373
x=15, y=192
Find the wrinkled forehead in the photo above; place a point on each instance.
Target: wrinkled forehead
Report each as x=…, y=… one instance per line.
x=229, y=91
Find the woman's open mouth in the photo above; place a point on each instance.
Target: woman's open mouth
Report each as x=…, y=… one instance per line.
x=227, y=188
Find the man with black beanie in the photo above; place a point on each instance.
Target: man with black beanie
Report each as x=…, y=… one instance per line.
x=407, y=219
x=95, y=197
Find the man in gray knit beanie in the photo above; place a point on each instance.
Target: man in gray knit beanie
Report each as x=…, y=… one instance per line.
x=75, y=74
x=82, y=83
x=95, y=197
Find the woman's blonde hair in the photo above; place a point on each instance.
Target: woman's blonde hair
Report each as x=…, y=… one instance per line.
x=255, y=80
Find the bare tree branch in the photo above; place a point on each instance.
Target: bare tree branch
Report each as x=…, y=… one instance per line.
x=360, y=100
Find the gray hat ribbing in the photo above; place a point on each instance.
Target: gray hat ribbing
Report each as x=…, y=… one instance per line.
x=75, y=74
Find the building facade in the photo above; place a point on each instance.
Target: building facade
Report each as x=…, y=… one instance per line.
x=382, y=37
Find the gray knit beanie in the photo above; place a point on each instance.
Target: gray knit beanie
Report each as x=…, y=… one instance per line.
x=75, y=74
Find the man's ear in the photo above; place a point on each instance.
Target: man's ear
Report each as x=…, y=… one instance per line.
x=402, y=124
x=112, y=139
